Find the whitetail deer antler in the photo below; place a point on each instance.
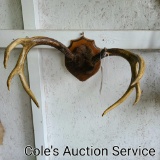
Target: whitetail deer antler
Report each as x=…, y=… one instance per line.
x=137, y=69
x=82, y=59
x=27, y=44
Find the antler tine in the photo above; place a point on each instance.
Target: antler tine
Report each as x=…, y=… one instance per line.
x=26, y=87
x=137, y=86
x=27, y=44
x=9, y=49
x=141, y=69
x=133, y=60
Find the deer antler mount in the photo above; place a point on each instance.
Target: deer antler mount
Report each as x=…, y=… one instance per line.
x=82, y=59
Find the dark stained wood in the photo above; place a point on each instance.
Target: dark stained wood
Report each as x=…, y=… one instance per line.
x=83, y=67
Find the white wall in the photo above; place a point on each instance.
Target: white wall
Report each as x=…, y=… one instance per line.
x=10, y=14
x=99, y=14
x=15, y=107
x=74, y=108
